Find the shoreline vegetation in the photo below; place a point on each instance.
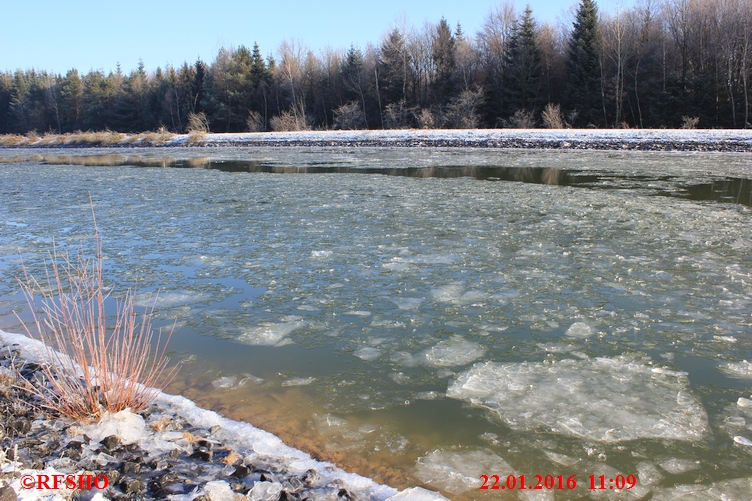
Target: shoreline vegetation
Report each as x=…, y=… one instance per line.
x=730, y=140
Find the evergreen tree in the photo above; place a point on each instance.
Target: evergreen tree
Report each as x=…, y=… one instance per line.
x=351, y=76
x=583, y=90
x=442, y=52
x=394, y=68
x=523, y=80
x=71, y=96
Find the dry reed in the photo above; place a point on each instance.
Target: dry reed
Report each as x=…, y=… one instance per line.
x=92, y=366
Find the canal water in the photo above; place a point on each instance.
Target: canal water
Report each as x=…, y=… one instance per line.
x=425, y=316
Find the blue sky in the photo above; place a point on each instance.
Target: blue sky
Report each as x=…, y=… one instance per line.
x=57, y=35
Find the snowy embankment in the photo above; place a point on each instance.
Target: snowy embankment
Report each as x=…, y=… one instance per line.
x=736, y=140
x=166, y=434
x=599, y=139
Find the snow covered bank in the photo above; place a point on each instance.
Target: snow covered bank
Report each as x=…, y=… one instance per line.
x=155, y=433
x=737, y=140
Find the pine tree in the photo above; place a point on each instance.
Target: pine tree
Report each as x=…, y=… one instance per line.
x=523, y=73
x=442, y=52
x=394, y=68
x=583, y=90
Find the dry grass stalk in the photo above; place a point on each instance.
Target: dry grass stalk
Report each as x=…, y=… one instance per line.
x=93, y=366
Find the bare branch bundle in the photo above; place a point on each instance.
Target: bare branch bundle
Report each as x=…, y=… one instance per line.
x=93, y=366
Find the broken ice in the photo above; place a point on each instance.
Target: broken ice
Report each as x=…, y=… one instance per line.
x=602, y=399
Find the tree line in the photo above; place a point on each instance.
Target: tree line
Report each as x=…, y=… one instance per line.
x=660, y=63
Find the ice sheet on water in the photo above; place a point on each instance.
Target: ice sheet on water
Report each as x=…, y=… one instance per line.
x=580, y=329
x=676, y=466
x=368, y=353
x=726, y=490
x=602, y=399
x=741, y=369
x=270, y=334
x=457, y=471
x=452, y=352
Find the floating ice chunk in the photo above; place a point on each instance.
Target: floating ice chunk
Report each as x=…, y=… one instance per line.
x=743, y=441
x=452, y=352
x=271, y=334
x=744, y=402
x=417, y=494
x=648, y=474
x=165, y=299
x=741, y=369
x=358, y=313
x=726, y=490
x=458, y=471
x=321, y=253
x=408, y=303
x=219, y=490
x=561, y=459
x=580, y=329
x=368, y=353
x=299, y=381
x=225, y=382
x=726, y=339
x=603, y=399
x=676, y=466
x=447, y=294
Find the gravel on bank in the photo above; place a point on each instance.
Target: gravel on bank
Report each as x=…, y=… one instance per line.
x=173, y=450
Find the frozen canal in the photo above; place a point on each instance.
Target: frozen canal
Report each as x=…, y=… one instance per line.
x=423, y=316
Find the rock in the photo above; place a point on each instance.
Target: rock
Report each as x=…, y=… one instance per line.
x=7, y=493
x=132, y=486
x=241, y=471
x=203, y=454
x=311, y=477
x=111, y=442
x=130, y=467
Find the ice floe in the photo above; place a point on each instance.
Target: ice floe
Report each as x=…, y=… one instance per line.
x=457, y=471
x=270, y=334
x=601, y=399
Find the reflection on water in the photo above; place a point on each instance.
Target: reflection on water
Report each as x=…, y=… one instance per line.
x=727, y=189
x=428, y=326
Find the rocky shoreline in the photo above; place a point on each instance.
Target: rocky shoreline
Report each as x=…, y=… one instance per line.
x=172, y=450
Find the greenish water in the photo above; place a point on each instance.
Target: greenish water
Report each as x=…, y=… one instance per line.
x=429, y=316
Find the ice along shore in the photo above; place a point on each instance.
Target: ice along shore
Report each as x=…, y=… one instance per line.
x=173, y=450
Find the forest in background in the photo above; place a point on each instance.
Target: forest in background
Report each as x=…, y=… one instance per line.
x=659, y=63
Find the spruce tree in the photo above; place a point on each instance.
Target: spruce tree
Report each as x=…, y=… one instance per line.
x=523, y=73
x=442, y=52
x=583, y=91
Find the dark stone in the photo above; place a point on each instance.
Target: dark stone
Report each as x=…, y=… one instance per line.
x=241, y=487
x=206, y=444
x=288, y=496
x=113, y=476
x=132, y=486
x=344, y=495
x=174, y=453
x=158, y=464
x=7, y=493
x=21, y=426
x=311, y=477
x=131, y=447
x=269, y=477
x=168, y=478
x=241, y=471
x=130, y=467
x=110, y=443
x=203, y=454
x=202, y=497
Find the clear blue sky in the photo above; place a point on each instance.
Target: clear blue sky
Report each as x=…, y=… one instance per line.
x=57, y=35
